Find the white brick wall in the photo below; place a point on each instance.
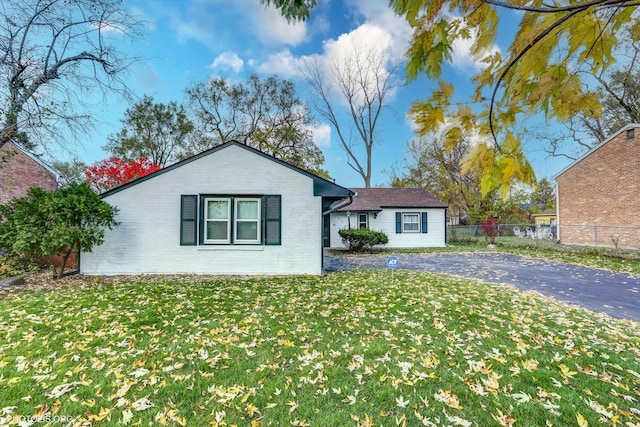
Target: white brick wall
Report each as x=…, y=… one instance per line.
x=148, y=239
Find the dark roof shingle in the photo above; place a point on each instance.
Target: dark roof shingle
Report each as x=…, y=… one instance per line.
x=375, y=199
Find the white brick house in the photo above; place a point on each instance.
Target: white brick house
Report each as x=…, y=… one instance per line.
x=228, y=210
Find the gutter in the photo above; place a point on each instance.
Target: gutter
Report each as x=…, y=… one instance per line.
x=330, y=211
x=340, y=206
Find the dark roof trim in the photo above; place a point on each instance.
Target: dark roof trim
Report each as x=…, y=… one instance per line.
x=585, y=155
x=321, y=186
x=36, y=159
x=413, y=207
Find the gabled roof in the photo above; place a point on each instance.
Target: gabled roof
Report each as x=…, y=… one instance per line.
x=624, y=129
x=375, y=199
x=321, y=186
x=33, y=157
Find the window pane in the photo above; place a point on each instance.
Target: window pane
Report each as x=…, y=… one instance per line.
x=218, y=209
x=247, y=209
x=247, y=230
x=411, y=222
x=217, y=230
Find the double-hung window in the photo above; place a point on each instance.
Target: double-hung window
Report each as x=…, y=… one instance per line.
x=230, y=220
x=217, y=220
x=411, y=222
x=247, y=221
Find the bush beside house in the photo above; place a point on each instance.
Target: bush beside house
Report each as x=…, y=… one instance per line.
x=54, y=223
x=359, y=239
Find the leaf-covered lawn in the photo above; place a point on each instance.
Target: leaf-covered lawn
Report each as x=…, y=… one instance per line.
x=348, y=349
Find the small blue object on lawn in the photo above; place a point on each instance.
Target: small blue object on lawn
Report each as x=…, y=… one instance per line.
x=392, y=263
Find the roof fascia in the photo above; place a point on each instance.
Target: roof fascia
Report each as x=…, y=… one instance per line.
x=585, y=155
x=36, y=159
x=321, y=186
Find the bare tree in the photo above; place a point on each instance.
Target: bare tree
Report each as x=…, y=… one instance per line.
x=350, y=93
x=53, y=55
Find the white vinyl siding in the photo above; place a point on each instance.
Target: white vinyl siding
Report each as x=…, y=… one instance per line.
x=386, y=221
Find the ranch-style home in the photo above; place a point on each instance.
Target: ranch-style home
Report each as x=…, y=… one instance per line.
x=410, y=217
x=598, y=195
x=20, y=170
x=228, y=210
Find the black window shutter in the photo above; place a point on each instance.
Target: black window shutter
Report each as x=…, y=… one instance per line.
x=271, y=217
x=188, y=220
x=424, y=222
x=398, y=222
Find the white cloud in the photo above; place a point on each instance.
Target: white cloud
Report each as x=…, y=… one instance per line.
x=383, y=32
x=109, y=27
x=322, y=135
x=368, y=46
x=187, y=30
x=464, y=60
x=282, y=63
x=228, y=60
x=379, y=14
x=270, y=26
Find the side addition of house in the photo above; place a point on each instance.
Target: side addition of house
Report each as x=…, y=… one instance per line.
x=411, y=217
x=228, y=210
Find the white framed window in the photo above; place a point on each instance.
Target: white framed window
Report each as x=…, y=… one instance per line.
x=217, y=220
x=363, y=220
x=410, y=222
x=211, y=219
x=247, y=221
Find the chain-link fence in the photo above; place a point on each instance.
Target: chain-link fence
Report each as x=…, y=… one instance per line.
x=605, y=236
x=522, y=233
x=599, y=236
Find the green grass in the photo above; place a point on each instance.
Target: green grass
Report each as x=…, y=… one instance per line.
x=349, y=349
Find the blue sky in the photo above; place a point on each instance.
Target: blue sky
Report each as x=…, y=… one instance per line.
x=188, y=41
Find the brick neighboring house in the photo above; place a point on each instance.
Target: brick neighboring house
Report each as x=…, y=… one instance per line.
x=598, y=195
x=20, y=170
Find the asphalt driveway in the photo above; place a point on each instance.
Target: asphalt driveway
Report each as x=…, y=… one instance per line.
x=616, y=294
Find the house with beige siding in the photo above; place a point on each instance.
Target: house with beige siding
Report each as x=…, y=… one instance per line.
x=20, y=170
x=410, y=217
x=598, y=195
x=228, y=210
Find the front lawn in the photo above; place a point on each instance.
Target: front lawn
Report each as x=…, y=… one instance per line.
x=349, y=349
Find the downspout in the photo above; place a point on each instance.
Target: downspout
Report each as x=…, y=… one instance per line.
x=328, y=212
x=446, y=240
x=332, y=210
